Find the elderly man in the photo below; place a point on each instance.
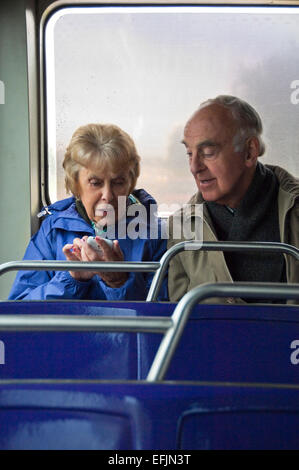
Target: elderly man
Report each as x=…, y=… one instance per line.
x=242, y=199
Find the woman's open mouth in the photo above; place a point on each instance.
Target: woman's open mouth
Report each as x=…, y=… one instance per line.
x=103, y=211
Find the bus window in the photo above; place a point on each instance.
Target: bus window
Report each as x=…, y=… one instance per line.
x=147, y=69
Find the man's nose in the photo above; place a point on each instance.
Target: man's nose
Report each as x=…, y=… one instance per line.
x=196, y=163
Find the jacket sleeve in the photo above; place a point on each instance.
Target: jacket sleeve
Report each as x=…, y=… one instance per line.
x=159, y=247
x=178, y=280
x=45, y=285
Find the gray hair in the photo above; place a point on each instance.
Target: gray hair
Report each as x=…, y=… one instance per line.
x=249, y=121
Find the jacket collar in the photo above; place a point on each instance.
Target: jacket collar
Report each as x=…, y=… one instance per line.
x=288, y=186
x=288, y=195
x=190, y=208
x=64, y=214
x=287, y=182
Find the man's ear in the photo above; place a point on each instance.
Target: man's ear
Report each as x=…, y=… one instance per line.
x=252, y=151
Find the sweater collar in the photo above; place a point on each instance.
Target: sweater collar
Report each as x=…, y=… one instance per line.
x=287, y=183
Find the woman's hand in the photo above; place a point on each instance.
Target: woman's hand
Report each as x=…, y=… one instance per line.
x=80, y=250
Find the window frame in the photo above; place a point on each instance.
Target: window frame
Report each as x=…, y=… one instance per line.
x=37, y=78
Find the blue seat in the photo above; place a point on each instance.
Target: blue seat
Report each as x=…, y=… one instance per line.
x=246, y=418
x=243, y=392
x=168, y=416
x=239, y=343
x=242, y=343
x=68, y=354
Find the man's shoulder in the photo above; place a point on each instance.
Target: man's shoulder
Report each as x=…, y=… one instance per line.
x=287, y=182
x=187, y=222
x=196, y=199
x=189, y=208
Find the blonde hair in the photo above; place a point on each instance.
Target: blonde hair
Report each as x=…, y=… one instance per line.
x=102, y=145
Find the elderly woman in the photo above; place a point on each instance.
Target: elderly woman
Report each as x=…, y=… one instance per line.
x=101, y=169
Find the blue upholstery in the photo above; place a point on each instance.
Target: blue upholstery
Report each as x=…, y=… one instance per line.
x=64, y=354
x=240, y=343
x=243, y=343
x=147, y=416
x=236, y=352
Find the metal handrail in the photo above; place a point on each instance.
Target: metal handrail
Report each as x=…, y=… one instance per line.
x=159, y=268
x=172, y=327
x=61, y=265
x=84, y=323
x=191, y=245
x=183, y=309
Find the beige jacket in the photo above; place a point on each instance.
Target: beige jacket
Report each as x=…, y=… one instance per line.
x=188, y=269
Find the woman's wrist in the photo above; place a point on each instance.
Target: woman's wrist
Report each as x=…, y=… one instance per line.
x=117, y=282
x=79, y=277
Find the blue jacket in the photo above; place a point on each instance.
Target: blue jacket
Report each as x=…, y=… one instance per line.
x=61, y=226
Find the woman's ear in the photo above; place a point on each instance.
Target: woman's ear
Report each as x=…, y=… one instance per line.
x=133, y=184
x=75, y=187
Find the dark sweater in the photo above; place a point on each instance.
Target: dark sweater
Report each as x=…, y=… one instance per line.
x=256, y=219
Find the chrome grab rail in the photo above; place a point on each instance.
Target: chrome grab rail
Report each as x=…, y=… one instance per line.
x=84, y=323
x=172, y=327
x=183, y=309
x=61, y=265
x=191, y=245
x=159, y=268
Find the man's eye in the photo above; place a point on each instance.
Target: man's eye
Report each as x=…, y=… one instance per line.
x=209, y=152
